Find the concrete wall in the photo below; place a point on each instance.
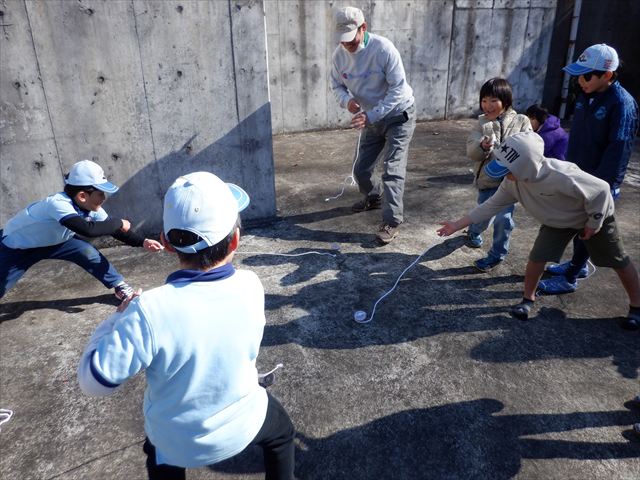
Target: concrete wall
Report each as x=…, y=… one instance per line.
x=449, y=49
x=148, y=89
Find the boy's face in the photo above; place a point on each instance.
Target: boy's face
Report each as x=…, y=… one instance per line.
x=90, y=201
x=491, y=107
x=591, y=83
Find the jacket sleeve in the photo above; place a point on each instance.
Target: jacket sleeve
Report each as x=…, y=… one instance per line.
x=131, y=238
x=623, y=129
x=598, y=203
x=91, y=228
x=396, y=79
x=338, y=87
x=498, y=201
x=120, y=347
x=474, y=151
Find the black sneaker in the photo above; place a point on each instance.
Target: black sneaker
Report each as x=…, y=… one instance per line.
x=367, y=203
x=123, y=291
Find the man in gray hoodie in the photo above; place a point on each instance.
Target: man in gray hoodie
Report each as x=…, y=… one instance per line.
x=567, y=202
x=368, y=79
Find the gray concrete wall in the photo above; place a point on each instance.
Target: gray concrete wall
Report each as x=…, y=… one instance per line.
x=449, y=49
x=148, y=89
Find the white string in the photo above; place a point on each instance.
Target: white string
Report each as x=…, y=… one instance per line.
x=351, y=178
x=5, y=415
x=288, y=254
x=271, y=371
x=373, y=311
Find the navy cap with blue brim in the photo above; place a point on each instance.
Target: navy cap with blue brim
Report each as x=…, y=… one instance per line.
x=495, y=169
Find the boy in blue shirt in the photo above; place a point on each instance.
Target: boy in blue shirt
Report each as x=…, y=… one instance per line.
x=197, y=338
x=604, y=127
x=48, y=229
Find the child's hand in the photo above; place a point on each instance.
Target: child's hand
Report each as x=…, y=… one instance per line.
x=152, y=245
x=125, y=303
x=126, y=225
x=587, y=233
x=486, y=144
x=448, y=229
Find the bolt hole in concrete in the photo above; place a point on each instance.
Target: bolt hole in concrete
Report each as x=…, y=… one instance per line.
x=101, y=79
x=115, y=157
x=179, y=8
x=16, y=84
x=1, y=13
x=179, y=73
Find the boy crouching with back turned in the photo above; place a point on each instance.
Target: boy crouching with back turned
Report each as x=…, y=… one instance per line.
x=197, y=338
x=48, y=229
x=567, y=202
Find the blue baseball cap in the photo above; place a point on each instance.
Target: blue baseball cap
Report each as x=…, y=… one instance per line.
x=599, y=57
x=495, y=169
x=85, y=173
x=203, y=204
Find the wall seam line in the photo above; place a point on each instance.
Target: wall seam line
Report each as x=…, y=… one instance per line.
x=233, y=61
x=44, y=91
x=446, y=95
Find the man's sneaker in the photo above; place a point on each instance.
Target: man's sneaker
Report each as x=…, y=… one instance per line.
x=557, y=285
x=561, y=269
x=123, y=291
x=387, y=233
x=632, y=322
x=636, y=429
x=373, y=202
x=473, y=241
x=486, y=264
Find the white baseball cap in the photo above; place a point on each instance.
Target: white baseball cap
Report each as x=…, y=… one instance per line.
x=203, y=204
x=348, y=19
x=599, y=57
x=85, y=173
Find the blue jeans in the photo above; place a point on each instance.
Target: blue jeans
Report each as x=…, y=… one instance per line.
x=502, y=226
x=15, y=262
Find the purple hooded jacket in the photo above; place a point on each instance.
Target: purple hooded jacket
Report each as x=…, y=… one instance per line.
x=555, y=138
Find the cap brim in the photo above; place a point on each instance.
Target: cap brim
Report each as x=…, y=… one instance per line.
x=495, y=170
x=576, y=69
x=241, y=197
x=346, y=37
x=107, y=187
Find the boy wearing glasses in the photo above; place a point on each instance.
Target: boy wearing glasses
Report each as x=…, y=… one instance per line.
x=603, y=130
x=48, y=229
x=368, y=79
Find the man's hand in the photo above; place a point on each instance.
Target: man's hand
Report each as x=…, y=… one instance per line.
x=126, y=225
x=152, y=245
x=353, y=106
x=448, y=228
x=587, y=233
x=125, y=303
x=359, y=121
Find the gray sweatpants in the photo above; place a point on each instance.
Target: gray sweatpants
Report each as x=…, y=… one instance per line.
x=391, y=136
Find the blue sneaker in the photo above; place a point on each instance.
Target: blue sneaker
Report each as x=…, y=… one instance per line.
x=486, y=264
x=473, y=241
x=557, y=285
x=561, y=269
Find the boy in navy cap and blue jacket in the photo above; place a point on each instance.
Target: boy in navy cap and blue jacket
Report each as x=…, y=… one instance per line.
x=568, y=202
x=48, y=229
x=197, y=338
x=603, y=130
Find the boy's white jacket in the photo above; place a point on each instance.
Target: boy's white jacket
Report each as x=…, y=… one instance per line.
x=555, y=192
x=197, y=342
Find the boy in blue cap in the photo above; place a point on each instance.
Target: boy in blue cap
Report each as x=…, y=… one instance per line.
x=48, y=229
x=197, y=338
x=604, y=127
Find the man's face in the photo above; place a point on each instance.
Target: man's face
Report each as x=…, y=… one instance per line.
x=352, y=46
x=590, y=82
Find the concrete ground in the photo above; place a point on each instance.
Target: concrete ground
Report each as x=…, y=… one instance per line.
x=442, y=383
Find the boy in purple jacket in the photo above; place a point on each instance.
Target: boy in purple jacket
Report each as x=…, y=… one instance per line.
x=548, y=127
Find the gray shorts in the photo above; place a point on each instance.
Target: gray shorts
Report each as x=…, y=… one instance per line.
x=605, y=247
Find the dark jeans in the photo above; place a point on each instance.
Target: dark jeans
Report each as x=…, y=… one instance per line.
x=15, y=262
x=275, y=437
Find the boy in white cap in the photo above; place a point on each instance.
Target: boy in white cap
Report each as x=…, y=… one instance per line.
x=197, y=338
x=368, y=79
x=603, y=130
x=47, y=229
x=567, y=202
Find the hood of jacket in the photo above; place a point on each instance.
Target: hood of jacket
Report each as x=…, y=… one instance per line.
x=523, y=155
x=550, y=124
